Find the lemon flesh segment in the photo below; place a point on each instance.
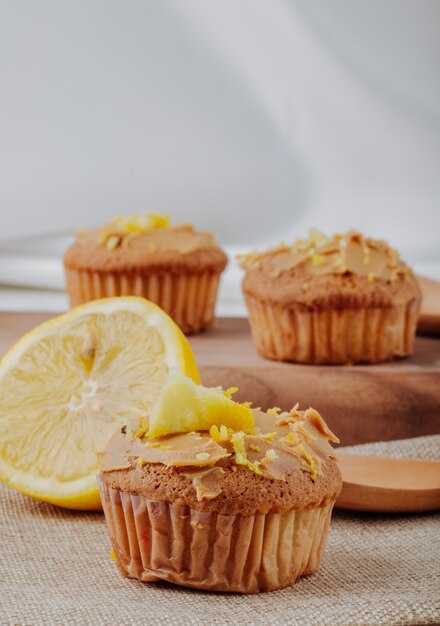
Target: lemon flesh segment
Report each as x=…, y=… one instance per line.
x=70, y=383
x=183, y=406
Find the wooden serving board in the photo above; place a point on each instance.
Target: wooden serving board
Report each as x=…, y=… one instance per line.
x=361, y=403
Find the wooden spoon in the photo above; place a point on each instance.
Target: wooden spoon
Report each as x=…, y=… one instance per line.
x=387, y=485
x=429, y=318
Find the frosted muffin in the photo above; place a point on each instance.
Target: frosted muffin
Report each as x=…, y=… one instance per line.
x=221, y=509
x=335, y=300
x=174, y=266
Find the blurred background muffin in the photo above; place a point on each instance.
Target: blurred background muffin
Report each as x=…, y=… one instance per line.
x=145, y=255
x=340, y=299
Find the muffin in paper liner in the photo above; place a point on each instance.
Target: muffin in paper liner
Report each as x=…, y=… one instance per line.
x=156, y=540
x=173, y=265
x=241, y=509
x=337, y=336
x=331, y=300
x=188, y=298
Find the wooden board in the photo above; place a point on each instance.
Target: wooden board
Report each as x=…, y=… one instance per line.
x=361, y=403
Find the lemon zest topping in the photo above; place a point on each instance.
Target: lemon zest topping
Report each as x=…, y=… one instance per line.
x=254, y=447
x=269, y=436
x=140, y=222
x=221, y=434
x=309, y=459
x=143, y=428
x=229, y=392
x=112, y=555
x=290, y=438
x=273, y=411
x=318, y=260
x=238, y=443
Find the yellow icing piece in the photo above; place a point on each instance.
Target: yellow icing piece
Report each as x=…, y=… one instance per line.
x=112, y=555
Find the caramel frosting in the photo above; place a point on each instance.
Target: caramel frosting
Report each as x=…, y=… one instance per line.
x=319, y=255
x=145, y=241
x=181, y=238
x=279, y=445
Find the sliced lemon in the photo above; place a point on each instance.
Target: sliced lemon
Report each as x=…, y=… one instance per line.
x=69, y=383
x=184, y=406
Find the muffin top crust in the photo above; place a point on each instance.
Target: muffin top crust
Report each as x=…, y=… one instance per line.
x=146, y=241
x=285, y=462
x=345, y=270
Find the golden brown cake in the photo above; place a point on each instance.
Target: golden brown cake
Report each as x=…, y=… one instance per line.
x=174, y=266
x=343, y=299
x=242, y=511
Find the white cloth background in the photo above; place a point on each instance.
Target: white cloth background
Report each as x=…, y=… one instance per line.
x=255, y=118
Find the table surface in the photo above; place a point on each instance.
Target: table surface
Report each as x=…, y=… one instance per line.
x=377, y=569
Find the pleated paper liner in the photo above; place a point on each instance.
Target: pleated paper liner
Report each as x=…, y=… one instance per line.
x=159, y=541
x=339, y=336
x=188, y=298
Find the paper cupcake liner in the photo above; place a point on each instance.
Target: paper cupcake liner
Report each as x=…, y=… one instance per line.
x=159, y=541
x=188, y=298
x=337, y=336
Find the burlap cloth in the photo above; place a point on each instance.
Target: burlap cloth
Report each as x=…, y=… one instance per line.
x=55, y=569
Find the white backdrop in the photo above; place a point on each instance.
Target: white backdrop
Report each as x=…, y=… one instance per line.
x=255, y=118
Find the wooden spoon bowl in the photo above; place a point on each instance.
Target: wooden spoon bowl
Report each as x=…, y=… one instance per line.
x=386, y=485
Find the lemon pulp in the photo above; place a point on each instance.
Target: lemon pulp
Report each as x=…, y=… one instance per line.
x=68, y=384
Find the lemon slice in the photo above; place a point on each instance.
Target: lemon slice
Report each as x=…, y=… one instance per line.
x=68, y=384
x=183, y=406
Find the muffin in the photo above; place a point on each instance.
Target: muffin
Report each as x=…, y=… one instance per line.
x=224, y=510
x=174, y=266
x=334, y=300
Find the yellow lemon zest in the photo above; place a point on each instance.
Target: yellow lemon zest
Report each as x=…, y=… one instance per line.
x=318, y=260
x=229, y=392
x=254, y=447
x=238, y=443
x=140, y=222
x=221, y=434
x=274, y=411
x=143, y=428
x=309, y=459
x=269, y=436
